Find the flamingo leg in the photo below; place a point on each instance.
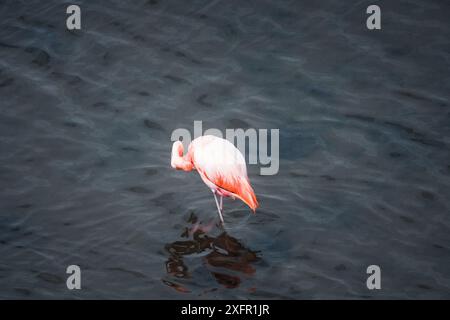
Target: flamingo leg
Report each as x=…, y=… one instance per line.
x=221, y=203
x=218, y=207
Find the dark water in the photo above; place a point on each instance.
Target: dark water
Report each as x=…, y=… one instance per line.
x=85, y=126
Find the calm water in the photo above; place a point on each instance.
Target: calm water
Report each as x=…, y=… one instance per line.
x=85, y=126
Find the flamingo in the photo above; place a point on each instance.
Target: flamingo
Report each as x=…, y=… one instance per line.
x=220, y=165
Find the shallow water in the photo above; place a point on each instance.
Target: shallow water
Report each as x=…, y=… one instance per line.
x=85, y=126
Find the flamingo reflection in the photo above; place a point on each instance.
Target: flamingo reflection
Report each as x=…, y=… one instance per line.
x=227, y=259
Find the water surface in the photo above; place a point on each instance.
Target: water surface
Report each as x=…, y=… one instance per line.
x=85, y=124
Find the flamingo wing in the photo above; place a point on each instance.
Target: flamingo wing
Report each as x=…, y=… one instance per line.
x=222, y=167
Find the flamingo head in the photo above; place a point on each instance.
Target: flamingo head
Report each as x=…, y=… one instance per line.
x=178, y=161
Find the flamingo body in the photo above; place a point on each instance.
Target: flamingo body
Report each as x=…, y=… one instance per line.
x=221, y=166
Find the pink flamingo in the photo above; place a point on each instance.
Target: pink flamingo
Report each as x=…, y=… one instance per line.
x=220, y=165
